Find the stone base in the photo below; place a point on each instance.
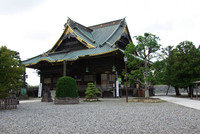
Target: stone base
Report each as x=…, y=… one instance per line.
x=66, y=100
x=140, y=93
x=91, y=100
x=47, y=100
x=47, y=97
x=23, y=97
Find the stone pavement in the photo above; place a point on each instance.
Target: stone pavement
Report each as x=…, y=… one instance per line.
x=187, y=102
x=108, y=116
x=30, y=100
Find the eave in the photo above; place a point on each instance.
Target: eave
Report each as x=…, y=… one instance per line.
x=50, y=59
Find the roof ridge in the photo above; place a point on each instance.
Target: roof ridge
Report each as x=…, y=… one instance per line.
x=82, y=30
x=91, y=39
x=121, y=23
x=106, y=24
x=76, y=24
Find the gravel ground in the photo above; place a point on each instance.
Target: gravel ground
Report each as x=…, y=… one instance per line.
x=106, y=116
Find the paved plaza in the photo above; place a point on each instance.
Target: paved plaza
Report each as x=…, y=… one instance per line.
x=106, y=116
x=187, y=102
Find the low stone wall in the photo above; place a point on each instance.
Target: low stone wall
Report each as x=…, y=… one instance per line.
x=8, y=103
x=66, y=100
x=162, y=89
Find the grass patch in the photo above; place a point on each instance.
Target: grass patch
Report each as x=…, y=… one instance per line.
x=149, y=100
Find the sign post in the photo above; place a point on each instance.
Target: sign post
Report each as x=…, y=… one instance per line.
x=125, y=61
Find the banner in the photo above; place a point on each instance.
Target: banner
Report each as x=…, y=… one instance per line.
x=40, y=90
x=117, y=88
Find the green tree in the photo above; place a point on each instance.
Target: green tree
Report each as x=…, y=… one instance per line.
x=183, y=66
x=159, y=72
x=66, y=87
x=163, y=69
x=159, y=67
x=171, y=78
x=146, y=49
x=91, y=91
x=11, y=72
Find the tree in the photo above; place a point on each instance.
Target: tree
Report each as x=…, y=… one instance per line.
x=11, y=72
x=91, y=91
x=159, y=72
x=163, y=69
x=146, y=49
x=66, y=87
x=183, y=66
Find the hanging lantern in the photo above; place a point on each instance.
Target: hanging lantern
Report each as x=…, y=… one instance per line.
x=87, y=70
x=125, y=59
x=113, y=68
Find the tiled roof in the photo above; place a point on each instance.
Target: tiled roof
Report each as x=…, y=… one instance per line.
x=99, y=40
x=70, y=56
x=99, y=34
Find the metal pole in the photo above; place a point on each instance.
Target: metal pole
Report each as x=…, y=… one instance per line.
x=126, y=83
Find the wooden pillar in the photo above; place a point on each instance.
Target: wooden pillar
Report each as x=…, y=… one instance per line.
x=51, y=87
x=42, y=79
x=64, y=67
x=24, y=80
x=197, y=91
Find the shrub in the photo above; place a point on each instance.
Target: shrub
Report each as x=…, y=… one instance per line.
x=66, y=87
x=91, y=91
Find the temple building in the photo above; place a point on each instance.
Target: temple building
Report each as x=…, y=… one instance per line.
x=88, y=54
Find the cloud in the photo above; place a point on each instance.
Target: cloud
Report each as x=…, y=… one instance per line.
x=10, y=7
x=31, y=27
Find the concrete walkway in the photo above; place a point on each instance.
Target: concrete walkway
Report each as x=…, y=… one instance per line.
x=30, y=100
x=187, y=102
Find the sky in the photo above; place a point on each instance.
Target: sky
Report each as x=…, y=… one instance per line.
x=32, y=27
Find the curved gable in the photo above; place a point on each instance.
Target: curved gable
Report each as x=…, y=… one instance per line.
x=69, y=31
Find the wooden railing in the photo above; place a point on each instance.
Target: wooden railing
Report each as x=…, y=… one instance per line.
x=8, y=103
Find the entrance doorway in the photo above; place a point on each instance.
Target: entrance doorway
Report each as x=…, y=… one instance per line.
x=98, y=79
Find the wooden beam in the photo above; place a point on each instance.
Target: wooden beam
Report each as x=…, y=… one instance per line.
x=64, y=67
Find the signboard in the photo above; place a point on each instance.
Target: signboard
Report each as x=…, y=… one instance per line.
x=40, y=90
x=23, y=91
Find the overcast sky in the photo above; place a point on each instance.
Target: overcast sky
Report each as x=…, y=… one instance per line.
x=31, y=27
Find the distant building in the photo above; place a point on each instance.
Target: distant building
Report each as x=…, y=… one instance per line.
x=88, y=54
